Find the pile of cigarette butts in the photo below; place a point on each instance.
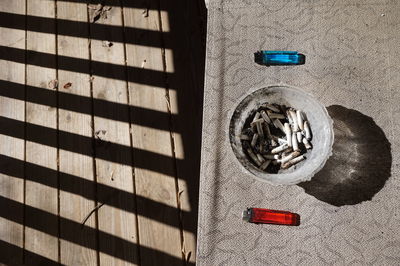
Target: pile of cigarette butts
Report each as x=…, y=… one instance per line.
x=276, y=137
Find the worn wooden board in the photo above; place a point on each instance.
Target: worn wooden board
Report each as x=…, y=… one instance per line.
x=11, y=233
x=38, y=195
x=116, y=221
x=156, y=186
x=138, y=95
x=186, y=61
x=73, y=206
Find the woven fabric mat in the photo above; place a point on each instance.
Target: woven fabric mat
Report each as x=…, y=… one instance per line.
x=350, y=211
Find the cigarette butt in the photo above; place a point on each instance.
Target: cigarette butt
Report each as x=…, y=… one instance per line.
x=267, y=131
x=281, y=141
x=257, y=121
x=295, y=144
x=290, y=157
x=287, y=151
x=307, y=144
x=272, y=156
x=299, y=137
x=294, y=118
x=288, y=133
x=289, y=117
x=260, y=158
x=300, y=119
x=274, y=143
x=307, y=130
x=272, y=108
x=244, y=137
x=266, y=118
x=253, y=157
x=278, y=124
x=279, y=148
x=276, y=116
x=254, y=140
x=275, y=162
x=260, y=130
x=265, y=164
x=293, y=162
x=253, y=124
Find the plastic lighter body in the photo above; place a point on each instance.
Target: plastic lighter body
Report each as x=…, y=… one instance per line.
x=270, y=58
x=266, y=216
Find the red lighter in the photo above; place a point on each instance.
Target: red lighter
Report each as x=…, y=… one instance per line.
x=265, y=216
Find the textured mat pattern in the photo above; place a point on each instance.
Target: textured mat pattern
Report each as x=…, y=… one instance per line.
x=350, y=212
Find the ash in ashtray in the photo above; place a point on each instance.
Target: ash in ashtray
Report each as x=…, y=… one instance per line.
x=276, y=137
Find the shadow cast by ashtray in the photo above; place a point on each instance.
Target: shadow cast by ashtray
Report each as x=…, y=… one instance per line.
x=360, y=164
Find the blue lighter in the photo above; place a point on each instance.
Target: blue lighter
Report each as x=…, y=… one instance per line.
x=279, y=58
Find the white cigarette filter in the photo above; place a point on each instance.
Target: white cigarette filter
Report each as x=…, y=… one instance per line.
x=299, y=137
x=265, y=164
x=293, y=162
x=295, y=144
x=307, y=144
x=282, y=141
x=294, y=118
x=288, y=133
x=254, y=140
x=290, y=157
x=289, y=117
x=279, y=149
x=266, y=118
x=307, y=130
x=253, y=157
x=300, y=119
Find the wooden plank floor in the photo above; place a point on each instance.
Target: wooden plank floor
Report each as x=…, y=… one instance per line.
x=100, y=131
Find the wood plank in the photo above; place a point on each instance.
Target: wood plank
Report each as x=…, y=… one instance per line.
x=38, y=195
x=184, y=23
x=11, y=233
x=72, y=205
x=150, y=184
x=111, y=219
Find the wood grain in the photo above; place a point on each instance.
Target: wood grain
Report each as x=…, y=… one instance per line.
x=149, y=184
x=11, y=233
x=182, y=21
x=38, y=195
x=115, y=221
x=74, y=206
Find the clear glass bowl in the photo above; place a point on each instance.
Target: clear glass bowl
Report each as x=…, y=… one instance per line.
x=320, y=122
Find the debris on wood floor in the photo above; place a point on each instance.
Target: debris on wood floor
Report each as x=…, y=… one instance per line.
x=53, y=84
x=90, y=213
x=67, y=85
x=146, y=12
x=98, y=11
x=107, y=44
x=100, y=134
